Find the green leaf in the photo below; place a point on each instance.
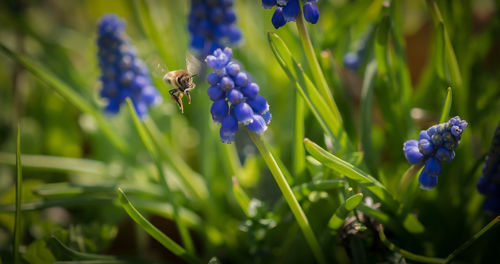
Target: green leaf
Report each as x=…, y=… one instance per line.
x=74, y=254
x=60, y=164
x=472, y=240
x=241, y=196
x=69, y=94
x=153, y=231
x=381, y=42
x=338, y=218
x=446, y=106
x=440, y=57
x=214, y=260
x=366, y=181
x=405, y=253
x=353, y=201
x=305, y=189
x=148, y=143
x=164, y=209
x=192, y=180
x=63, y=202
x=141, y=130
x=18, y=230
x=366, y=115
x=330, y=123
x=382, y=217
x=456, y=79
x=38, y=253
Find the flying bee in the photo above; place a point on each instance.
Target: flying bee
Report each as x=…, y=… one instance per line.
x=182, y=80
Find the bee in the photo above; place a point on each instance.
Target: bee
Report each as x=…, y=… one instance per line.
x=182, y=81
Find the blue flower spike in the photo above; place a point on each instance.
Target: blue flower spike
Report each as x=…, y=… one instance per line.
x=288, y=10
x=489, y=182
x=434, y=146
x=212, y=25
x=123, y=73
x=235, y=97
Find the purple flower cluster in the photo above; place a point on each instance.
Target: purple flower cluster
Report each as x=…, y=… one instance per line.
x=288, y=10
x=435, y=145
x=123, y=73
x=212, y=25
x=235, y=98
x=489, y=183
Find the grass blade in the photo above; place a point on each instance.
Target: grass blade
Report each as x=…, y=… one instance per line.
x=450, y=57
x=350, y=171
x=192, y=180
x=153, y=231
x=329, y=122
x=299, y=155
x=290, y=198
x=69, y=94
x=338, y=218
x=315, y=67
x=366, y=115
x=405, y=253
x=148, y=143
x=446, y=106
x=19, y=189
x=52, y=163
x=474, y=238
x=241, y=196
x=81, y=255
x=62, y=202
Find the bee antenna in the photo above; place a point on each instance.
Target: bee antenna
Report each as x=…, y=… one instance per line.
x=194, y=75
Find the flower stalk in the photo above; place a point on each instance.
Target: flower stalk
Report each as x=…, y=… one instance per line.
x=318, y=76
x=290, y=198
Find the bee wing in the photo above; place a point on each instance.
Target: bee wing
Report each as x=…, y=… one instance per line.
x=193, y=65
x=157, y=67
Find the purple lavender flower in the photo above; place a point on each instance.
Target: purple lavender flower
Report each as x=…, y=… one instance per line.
x=212, y=26
x=123, y=73
x=288, y=10
x=489, y=183
x=435, y=145
x=235, y=98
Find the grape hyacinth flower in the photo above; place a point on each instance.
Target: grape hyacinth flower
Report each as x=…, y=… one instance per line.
x=489, y=183
x=235, y=98
x=212, y=26
x=123, y=73
x=288, y=10
x=434, y=146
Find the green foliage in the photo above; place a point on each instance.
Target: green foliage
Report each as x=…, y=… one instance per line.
x=323, y=183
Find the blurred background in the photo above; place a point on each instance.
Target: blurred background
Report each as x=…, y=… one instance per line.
x=60, y=37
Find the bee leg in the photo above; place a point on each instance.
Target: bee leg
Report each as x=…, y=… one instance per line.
x=188, y=96
x=176, y=97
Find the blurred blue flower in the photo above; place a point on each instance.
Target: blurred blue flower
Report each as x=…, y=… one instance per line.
x=489, y=183
x=123, y=73
x=434, y=145
x=235, y=98
x=212, y=26
x=352, y=60
x=288, y=10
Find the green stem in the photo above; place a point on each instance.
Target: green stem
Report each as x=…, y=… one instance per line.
x=408, y=177
x=17, y=217
x=405, y=253
x=319, y=78
x=299, y=155
x=289, y=197
x=472, y=240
